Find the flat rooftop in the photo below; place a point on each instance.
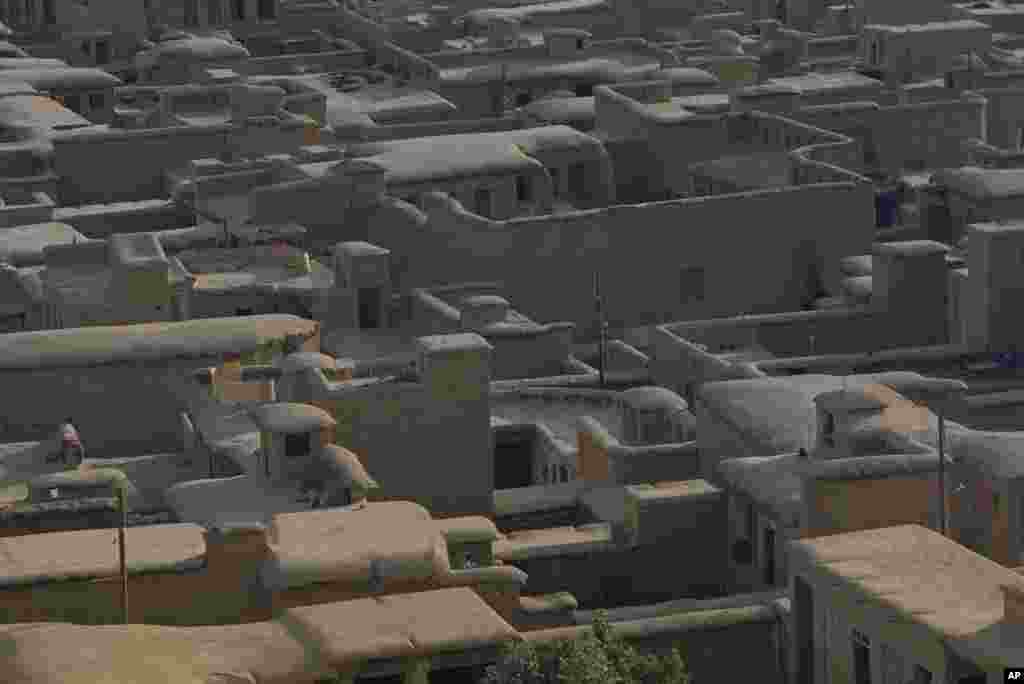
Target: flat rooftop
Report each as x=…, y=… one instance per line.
x=928, y=580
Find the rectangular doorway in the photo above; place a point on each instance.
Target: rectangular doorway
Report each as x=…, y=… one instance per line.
x=804, y=600
x=369, y=308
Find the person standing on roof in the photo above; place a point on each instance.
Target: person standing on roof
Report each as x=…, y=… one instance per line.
x=72, y=451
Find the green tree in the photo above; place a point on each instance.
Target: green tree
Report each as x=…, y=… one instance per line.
x=598, y=657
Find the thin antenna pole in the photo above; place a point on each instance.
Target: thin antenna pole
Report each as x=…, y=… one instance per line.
x=122, y=560
x=942, y=474
x=602, y=330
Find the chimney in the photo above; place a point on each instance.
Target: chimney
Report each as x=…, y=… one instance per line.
x=1013, y=604
x=455, y=367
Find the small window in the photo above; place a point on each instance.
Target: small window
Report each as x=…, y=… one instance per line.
x=861, y=657
x=238, y=7
x=584, y=90
x=297, y=446
x=483, y=201
x=85, y=48
x=691, y=285
x=96, y=101
x=523, y=99
x=72, y=102
x=578, y=180
x=191, y=12
x=555, y=188
x=102, y=52
x=579, y=43
x=523, y=190
x=829, y=430
x=267, y=10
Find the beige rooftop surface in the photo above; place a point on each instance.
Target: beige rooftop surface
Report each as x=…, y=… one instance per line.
x=147, y=341
x=357, y=544
x=930, y=580
x=403, y=625
x=93, y=553
x=262, y=652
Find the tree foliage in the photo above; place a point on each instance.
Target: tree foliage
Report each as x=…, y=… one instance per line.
x=598, y=657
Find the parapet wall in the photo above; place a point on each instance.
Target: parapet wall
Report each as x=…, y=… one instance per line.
x=835, y=220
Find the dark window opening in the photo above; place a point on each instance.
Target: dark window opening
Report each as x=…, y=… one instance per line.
x=769, y=556
x=369, y=308
x=554, y=181
x=297, y=446
x=243, y=312
x=579, y=43
x=238, y=7
x=96, y=101
x=578, y=180
x=84, y=47
x=692, y=285
x=829, y=434
x=563, y=472
x=266, y=9
x=803, y=599
x=102, y=52
x=584, y=90
x=49, y=12
x=861, y=658
x=513, y=463
x=72, y=102
x=522, y=189
x=191, y=12
x=483, y=202
x=522, y=99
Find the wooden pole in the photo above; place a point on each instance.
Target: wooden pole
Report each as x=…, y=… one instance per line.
x=121, y=553
x=942, y=475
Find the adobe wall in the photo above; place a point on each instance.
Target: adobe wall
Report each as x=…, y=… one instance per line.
x=119, y=409
x=834, y=507
x=723, y=235
x=134, y=162
x=532, y=355
x=390, y=427
x=155, y=598
x=931, y=132
x=106, y=221
x=643, y=574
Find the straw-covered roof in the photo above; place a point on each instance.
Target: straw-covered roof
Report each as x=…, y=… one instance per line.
x=402, y=625
x=358, y=545
x=91, y=553
x=55, y=653
x=197, y=338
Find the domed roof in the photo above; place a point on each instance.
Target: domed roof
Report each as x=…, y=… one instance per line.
x=304, y=360
x=485, y=301
x=654, y=398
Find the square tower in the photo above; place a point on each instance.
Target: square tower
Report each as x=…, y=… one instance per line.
x=363, y=272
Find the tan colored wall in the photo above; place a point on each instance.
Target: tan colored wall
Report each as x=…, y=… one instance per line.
x=593, y=464
x=705, y=230
x=835, y=507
